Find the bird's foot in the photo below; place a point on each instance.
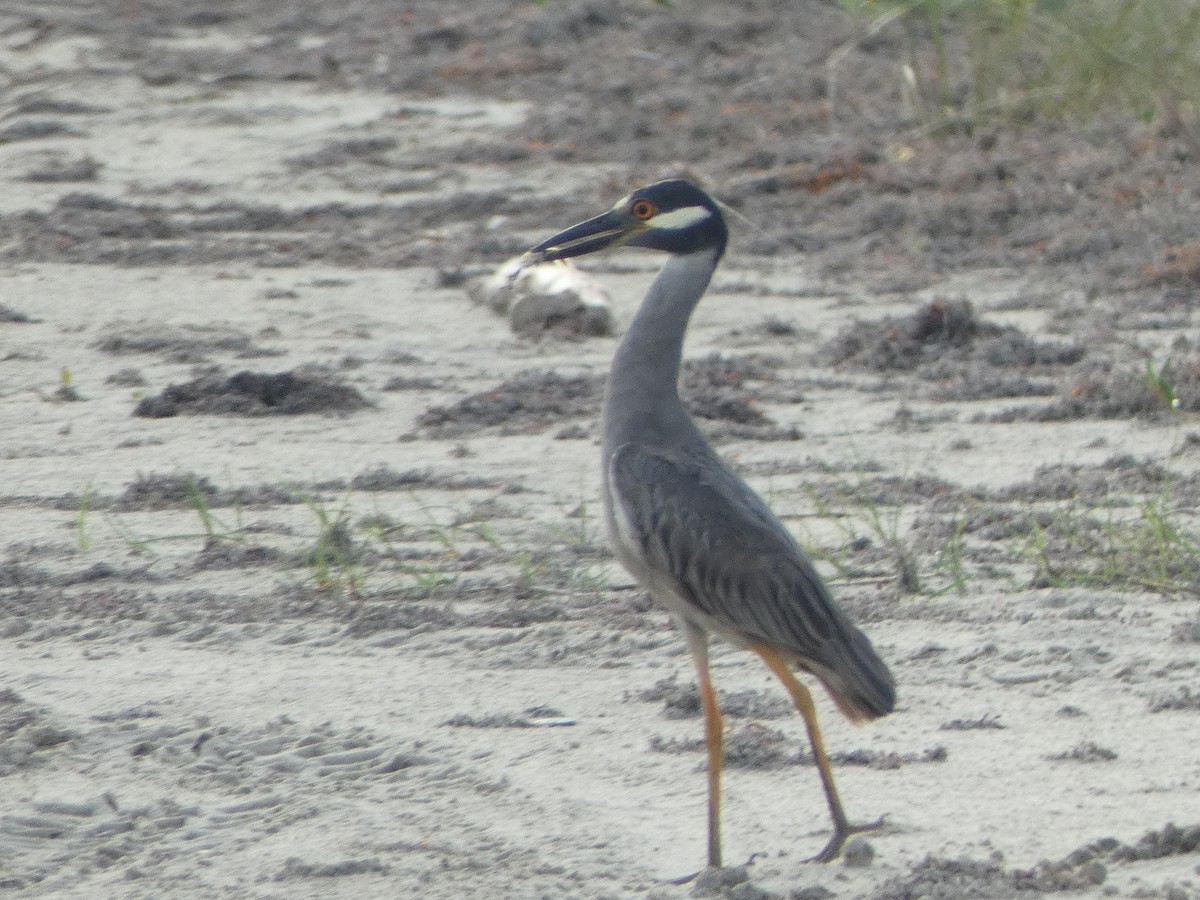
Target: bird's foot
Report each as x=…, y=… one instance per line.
x=841, y=832
x=721, y=876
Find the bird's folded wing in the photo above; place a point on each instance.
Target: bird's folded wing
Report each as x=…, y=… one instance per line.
x=707, y=534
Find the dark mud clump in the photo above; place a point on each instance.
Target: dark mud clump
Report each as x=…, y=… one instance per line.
x=187, y=490
x=726, y=390
x=946, y=342
x=180, y=344
x=64, y=170
x=26, y=732
x=158, y=491
x=88, y=228
x=1084, y=752
x=986, y=722
x=334, y=154
x=754, y=747
x=716, y=388
x=1171, y=840
x=1181, y=699
x=1187, y=632
x=36, y=129
x=681, y=700
x=936, y=878
x=1112, y=390
x=15, y=316
x=528, y=403
x=904, y=344
x=532, y=717
x=1119, y=476
x=401, y=616
x=385, y=478
x=235, y=553
x=253, y=394
x=879, y=759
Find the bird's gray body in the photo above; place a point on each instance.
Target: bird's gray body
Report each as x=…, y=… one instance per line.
x=694, y=534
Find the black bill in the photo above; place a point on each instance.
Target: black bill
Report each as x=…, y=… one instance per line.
x=606, y=230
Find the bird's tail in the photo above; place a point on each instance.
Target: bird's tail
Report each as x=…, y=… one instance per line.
x=860, y=683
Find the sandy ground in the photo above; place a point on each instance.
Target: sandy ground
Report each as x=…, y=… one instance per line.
x=366, y=639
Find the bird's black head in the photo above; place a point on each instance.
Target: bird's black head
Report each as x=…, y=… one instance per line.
x=673, y=216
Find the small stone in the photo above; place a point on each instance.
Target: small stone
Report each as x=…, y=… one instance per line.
x=1094, y=872
x=748, y=891
x=816, y=892
x=858, y=854
x=713, y=882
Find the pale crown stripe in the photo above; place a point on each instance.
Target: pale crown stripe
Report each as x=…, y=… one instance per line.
x=680, y=218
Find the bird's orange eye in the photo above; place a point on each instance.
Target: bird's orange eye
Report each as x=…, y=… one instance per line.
x=642, y=210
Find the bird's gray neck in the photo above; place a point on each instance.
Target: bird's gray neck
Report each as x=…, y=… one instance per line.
x=642, y=398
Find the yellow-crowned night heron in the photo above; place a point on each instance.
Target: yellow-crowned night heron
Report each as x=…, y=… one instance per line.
x=687, y=528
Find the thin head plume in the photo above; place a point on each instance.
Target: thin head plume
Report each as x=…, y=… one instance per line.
x=741, y=217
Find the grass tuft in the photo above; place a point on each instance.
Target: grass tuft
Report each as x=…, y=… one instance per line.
x=968, y=62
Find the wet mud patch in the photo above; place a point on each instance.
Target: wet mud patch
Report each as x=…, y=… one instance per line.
x=986, y=722
x=1083, y=752
x=681, y=700
x=375, y=618
x=1121, y=389
x=255, y=394
x=373, y=150
x=37, y=129
x=94, y=228
x=529, y=403
x=720, y=372
x=726, y=390
x=532, y=717
x=160, y=491
x=882, y=490
x=940, y=878
x=59, y=168
x=26, y=732
x=1119, y=477
x=11, y=316
x=1181, y=699
x=715, y=388
x=236, y=553
x=754, y=746
x=885, y=760
x=948, y=343
x=1187, y=632
x=154, y=491
x=385, y=478
x=409, y=383
x=1170, y=840
x=180, y=343
x=127, y=377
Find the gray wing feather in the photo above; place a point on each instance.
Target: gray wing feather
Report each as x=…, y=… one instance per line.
x=702, y=529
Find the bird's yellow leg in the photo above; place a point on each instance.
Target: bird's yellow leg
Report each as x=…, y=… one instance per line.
x=802, y=697
x=713, y=726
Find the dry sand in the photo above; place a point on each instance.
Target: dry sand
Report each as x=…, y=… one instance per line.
x=336, y=652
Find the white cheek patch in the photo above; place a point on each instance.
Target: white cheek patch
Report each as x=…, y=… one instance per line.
x=680, y=218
